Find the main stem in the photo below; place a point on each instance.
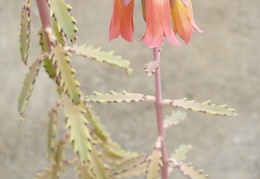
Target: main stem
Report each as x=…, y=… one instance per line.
x=159, y=113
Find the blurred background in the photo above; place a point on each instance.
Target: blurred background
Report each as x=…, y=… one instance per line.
x=222, y=64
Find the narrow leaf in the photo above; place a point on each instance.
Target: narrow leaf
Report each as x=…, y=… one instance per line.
x=100, y=56
x=97, y=165
x=191, y=172
x=52, y=128
x=50, y=69
x=127, y=165
x=28, y=85
x=60, y=10
x=173, y=119
x=204, y=107
x=181, y=152
x=60, y=59
x=79, y=134
x=154, y=162
x=117, y=97
x=84, y=172
x=25, y=31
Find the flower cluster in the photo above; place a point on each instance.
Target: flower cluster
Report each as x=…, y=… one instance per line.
x=158, y=15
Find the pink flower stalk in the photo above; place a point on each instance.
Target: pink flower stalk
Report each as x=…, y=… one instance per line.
x=122, y=20
x=182, y=19
x=157, y=16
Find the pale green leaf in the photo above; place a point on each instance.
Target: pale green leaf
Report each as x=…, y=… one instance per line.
x=60, y=10
x=204, y=107
x=79, y=134
x=154, y=162
x=47, y=62
x=25, y=31
x=84, y=172
x=114, y=97
x=100, y=56
x=28, y=85
x=52, y=128
x=181, y=152
x=98, y=128
x=129, y=164
x=173, y=119
x=97, y=164
x=191, y=172
x=60, y=58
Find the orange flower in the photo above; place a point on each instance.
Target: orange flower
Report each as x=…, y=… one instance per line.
x=157, y=17
x=182, y=19
x=122, y=20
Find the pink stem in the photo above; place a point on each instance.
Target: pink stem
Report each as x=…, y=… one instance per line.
x=159, y=114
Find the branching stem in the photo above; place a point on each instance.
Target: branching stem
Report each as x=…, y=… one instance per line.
x=159, y=114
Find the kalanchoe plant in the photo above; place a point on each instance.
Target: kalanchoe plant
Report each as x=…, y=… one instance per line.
x=98, y=156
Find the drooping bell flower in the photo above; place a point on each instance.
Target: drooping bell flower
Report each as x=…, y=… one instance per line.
x=157, y=16
x=122, y=20
x=182, y=19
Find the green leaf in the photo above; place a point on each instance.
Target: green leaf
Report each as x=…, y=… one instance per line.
x=181, y=152
x=191, y=172
x=130, y=164
x=79, y=134
x=52, y=129
x=173, y=119
x=58, y=164
x=60, y=10
x=49, y=68
x=28, y=85
x=97, y=165
x=58, y=34
x=154, y=162
x=98, y=128
x=60, y=59
x=204, y=107
x=84, y=172
x=114, y=97
x=100, y=56
x=25, y=31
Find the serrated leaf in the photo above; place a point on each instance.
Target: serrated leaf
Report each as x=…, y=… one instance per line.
x=84, y=172
x=114, y=97
x=173, y=119
x=28, y=85
x=151, y=67
x=25, y=31
x=181, y=152
x=154, y=162
x=60, y=10
x=97, y=165
x=52, y=128
x=113, y=152
x=79, y=134
x=60, y=59
x=204, y=107
x=192, y=173
x=57, y=32
x=127, y=165
x=98, y=128
x=100, y=56
x=58, y=164
x=49, y=68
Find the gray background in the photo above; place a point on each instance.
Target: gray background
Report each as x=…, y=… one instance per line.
x=221, y=64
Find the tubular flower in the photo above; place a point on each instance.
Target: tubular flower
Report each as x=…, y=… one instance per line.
x=157, y=16
x=122, y=20
x=182, y=19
